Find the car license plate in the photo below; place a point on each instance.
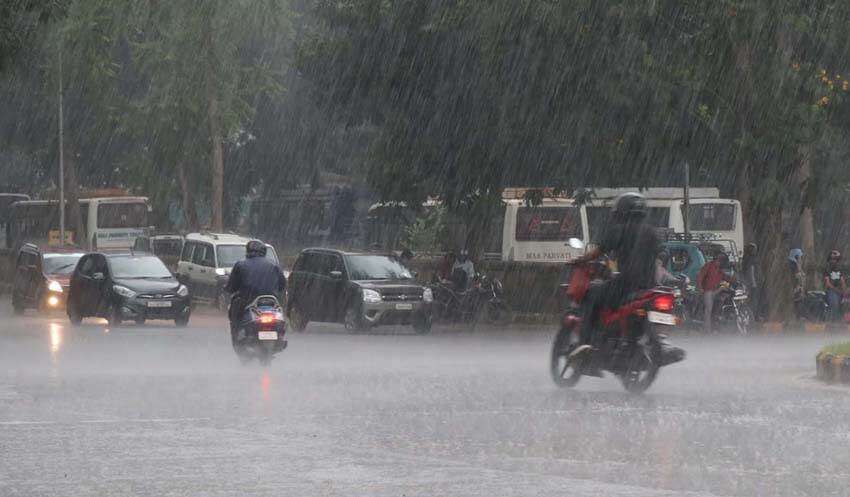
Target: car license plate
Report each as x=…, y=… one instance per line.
x=267, y=335
x=404, y=307
x=661, y=318
x=159, y=303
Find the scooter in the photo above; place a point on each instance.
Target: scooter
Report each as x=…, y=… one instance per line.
x=262, y=331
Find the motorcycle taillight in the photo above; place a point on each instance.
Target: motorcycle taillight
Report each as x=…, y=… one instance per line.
x=664, y=303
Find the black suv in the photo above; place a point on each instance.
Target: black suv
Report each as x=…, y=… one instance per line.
x=360, y=290
x=126, y=287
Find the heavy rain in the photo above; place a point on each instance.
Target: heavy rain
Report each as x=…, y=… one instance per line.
x=424, y=248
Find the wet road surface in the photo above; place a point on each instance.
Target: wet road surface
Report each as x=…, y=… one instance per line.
x=156, y=410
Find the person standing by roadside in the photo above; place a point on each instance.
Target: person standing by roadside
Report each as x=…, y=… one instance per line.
x=750, y=274
x=708, y=281
x=798, y=278
x=835, y=283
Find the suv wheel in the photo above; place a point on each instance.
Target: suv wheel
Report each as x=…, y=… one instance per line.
x=73, y=314
x=114, y=317
x=297, y=320
x=422, y=324
x=17, y=306
x=354, y=321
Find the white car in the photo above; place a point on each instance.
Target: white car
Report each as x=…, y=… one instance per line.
x=206, y=261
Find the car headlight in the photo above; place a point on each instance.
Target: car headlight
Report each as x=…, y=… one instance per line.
x=54, y=286
x=221, y=271
x=123, y=291
x=427, y=295
x=371, y=296
x=182, y=291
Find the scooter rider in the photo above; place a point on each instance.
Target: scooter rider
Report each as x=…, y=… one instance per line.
x=254, y=276
x=634, y=244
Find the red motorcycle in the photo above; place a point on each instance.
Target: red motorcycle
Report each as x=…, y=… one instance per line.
x=628, y=342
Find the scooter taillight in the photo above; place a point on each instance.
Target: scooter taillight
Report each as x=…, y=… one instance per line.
x=664, y=303
x=268, y=318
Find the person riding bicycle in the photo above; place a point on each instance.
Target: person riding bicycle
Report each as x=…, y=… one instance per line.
x=254, y=276
x=634, y=244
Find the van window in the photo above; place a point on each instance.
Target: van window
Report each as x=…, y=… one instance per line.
x=203, y=255
x=186, y=255
x=548, y=224
x=711, y=217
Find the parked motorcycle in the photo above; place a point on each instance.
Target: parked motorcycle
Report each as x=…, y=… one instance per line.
x=262, y=331
x=630, y=345
x=731, y=307
x=482, y=301
x=814, y=306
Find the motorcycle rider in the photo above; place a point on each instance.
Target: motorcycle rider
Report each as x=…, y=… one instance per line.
x=634, y=243
x=709, y=279
x=254, y=276
x=835, y=284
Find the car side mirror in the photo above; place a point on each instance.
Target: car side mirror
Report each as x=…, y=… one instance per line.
x=336, y=274
x=98, y=277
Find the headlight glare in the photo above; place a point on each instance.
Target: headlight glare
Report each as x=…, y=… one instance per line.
x=371, y=296
x=123, y=291
x=54, y=286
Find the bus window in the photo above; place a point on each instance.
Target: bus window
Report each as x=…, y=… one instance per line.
x=126, y=215
x=548, y=224
x=711, y=217
x=658, y=217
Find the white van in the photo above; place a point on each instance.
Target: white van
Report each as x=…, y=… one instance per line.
x=540, y=233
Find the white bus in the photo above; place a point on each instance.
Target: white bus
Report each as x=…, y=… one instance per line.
x=539, y=234
x=110, y=223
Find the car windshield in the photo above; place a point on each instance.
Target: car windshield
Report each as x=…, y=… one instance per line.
x=60, y=264
x=376, y=267
x=229, y=255
x=137, y=267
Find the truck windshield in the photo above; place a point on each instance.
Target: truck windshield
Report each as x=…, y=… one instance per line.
x=711, y=217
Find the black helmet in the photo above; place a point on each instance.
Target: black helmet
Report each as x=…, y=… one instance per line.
x=629, y=206
x=255, y=248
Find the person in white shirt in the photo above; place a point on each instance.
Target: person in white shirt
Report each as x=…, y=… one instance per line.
x=464, y=264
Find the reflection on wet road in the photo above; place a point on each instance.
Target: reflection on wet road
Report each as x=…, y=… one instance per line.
x=156, y=410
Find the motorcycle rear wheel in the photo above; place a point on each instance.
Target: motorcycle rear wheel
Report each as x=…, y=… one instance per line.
x=637, y=379
x=564, y=373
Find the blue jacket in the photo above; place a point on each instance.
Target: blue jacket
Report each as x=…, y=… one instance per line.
x=256, y=276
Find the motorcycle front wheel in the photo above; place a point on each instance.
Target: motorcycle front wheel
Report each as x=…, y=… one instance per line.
x=564, y=372
x=743, y=319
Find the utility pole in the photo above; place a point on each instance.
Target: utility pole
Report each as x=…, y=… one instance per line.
x=61, y=160
x=687, y=207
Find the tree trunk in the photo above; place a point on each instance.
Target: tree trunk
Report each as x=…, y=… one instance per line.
x=806, y=220
x=778, y=286
x=217, y=152
x=190, y=212
x=74, y=221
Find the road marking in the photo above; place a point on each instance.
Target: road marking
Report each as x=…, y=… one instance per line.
x=105, y=421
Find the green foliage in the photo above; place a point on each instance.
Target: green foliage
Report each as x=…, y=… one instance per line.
x=428, y=233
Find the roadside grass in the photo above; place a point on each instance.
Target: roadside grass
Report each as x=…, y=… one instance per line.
x=837, y=349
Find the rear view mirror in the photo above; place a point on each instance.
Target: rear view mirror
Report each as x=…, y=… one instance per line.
x=97, y=276
x=336, y=274
x=575, y=243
